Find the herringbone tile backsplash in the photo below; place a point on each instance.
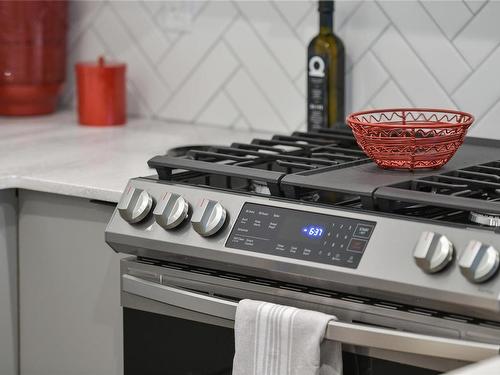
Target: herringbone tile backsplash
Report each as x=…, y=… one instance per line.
x=241, y=64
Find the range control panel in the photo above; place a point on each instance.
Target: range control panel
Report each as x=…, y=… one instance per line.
x=303, y=235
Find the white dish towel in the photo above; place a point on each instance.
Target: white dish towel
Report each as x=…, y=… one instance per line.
x=281, y=340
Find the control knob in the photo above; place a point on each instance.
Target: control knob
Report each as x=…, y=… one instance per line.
x=209, y=218
x=433, y=252
x=171, y=211
x=135, y=205
x=479, y=262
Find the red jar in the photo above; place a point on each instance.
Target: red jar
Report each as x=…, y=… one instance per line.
x=32, y=55
x=101, y=89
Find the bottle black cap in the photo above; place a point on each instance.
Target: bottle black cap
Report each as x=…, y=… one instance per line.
x=326, y=5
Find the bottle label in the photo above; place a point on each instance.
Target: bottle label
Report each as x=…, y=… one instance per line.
x=317, y=88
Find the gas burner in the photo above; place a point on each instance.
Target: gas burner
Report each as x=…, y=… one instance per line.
x=259, y=188
x=485, y=219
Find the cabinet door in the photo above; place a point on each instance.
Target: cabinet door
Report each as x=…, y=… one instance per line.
x=8, y=283
x=70, y=315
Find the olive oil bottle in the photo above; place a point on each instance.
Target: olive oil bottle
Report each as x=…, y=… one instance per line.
x=325, y=74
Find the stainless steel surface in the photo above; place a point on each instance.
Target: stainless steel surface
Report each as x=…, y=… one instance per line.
x=247, y=245
x=208, y=218
x=387, y=269
x=348, y=333
x=135, y=205
x=433, y=252
x=171, y=210
x=479, y=262
x=485, y=219
x=488, y=367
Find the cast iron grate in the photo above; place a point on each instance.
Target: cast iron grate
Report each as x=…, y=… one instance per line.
x=447, y=196
x=259, y=166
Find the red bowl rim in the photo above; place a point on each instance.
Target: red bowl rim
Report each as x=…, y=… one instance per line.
x=350, y=119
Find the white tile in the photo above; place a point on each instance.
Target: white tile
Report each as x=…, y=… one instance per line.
x=190, y=48
x=275, y=33
x=143, y=28
x=139, y=70
x=301, y=83
x=293, y=11
x=153, y=6
x=482, y=88
x=253, y=104
x=81, y=16
x=308, y=27
x=219, y=112
x=390, y=96
x=135, y=104
x=343, y=10
x=421, y=32
x=241, y=124
x=365, y=79
x=273, y=81
x=302, y=127
x=405, y=67
x=360, y=31
x=270, y=96
x=451, y=16
x=190, y=99
x=487, y=126
x=475, y=5
x=481, y=35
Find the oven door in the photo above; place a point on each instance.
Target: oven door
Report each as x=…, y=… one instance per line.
x=176, y=322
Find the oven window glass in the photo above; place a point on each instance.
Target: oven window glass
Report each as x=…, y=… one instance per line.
x=157, y=344
x=163, y=345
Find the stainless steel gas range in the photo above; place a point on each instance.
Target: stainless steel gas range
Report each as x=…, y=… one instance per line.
x=407, y=261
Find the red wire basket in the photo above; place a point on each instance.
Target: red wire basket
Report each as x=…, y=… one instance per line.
x=410, y=138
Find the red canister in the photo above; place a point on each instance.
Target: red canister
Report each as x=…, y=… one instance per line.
x=101, y=93
x=32, y=55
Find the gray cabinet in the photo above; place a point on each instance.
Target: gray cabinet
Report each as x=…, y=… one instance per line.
x=8, y=283
x=70, y=315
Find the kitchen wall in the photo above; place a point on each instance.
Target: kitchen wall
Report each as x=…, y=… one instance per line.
x=240, y=64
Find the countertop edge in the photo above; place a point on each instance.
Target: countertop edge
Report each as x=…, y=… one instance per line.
x=59, y=188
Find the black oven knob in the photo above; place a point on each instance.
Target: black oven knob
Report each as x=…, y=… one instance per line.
x=479, y=262
x=135, y=204
x=433, y=252
x=171, y=211
x=208, y=218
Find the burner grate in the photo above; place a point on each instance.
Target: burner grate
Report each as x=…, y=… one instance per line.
x=242, y=166
x=327, y=167
x=447, y=196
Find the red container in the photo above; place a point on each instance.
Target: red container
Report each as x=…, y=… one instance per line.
x=32, y=55
x=101, y=93
x=410, y=138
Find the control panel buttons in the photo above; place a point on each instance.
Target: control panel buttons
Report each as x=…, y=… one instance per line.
x=479, y=262
x=209, y=218
x=171, y=211
x=135, y=205
x=433, y=252
x=302, y=235
x=363, y=230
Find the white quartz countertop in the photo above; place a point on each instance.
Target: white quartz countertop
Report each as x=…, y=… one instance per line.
x=54, y=154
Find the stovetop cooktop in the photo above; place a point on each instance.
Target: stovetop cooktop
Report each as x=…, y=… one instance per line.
x=327, y=167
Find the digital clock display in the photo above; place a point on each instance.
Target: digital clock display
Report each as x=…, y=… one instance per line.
x=297, y=234
x=313, y=231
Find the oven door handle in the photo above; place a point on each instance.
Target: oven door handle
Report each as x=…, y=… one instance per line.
x=347, y=333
